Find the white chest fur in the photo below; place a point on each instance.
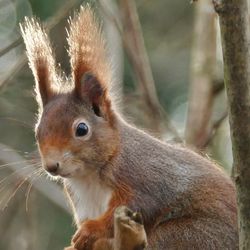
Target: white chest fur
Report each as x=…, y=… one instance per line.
x=89, y=198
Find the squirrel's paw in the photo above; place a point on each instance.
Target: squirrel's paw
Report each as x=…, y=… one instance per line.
x=129, y=224
x=69, y=248
x=83, y=239
x=125, y=215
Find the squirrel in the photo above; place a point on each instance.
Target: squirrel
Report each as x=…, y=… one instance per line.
x=186, y=201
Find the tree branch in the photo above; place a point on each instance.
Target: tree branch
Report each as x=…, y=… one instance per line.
x=214, y=129
x=234, y=25
x=201, y=94
x=136, y=51
x=11, y=46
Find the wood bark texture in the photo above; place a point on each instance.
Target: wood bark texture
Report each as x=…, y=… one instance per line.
x=234, y=25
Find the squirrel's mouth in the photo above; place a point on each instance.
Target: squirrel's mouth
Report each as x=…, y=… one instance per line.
x=59, y=174
x=65, y=175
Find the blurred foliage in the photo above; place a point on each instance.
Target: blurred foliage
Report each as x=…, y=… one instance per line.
x=45, y=9
x=168, y=29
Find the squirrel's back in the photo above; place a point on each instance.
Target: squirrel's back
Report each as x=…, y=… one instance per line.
x=172, y=183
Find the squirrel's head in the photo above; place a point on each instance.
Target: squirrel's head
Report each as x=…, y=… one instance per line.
x=76, y=130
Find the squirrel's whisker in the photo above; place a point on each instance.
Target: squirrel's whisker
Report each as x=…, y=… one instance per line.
x=22, y=123
x=13, y=194
x=13, y=150
x=17, y=188
x=16, y=163
x=13, y=173
x=31, y=182
x=3, y=185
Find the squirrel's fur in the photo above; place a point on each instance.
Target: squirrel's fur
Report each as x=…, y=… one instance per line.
x=41, y=58
x=87, y=50
x=186, y=201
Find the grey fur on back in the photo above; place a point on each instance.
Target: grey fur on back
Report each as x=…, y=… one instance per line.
x=187, y=202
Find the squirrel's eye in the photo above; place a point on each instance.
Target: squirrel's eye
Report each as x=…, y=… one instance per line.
x=82, y=129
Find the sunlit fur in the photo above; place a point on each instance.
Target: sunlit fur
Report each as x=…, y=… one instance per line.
x=185, y=200
x=87, y=49
x=41, y=59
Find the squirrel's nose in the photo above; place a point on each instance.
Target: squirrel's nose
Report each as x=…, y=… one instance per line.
x=52, y=168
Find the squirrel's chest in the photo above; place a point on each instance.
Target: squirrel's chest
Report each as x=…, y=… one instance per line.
x=89, y=198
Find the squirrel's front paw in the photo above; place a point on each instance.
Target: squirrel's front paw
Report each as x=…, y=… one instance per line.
x=69, y=248
x=129, y=226
x=84, y=239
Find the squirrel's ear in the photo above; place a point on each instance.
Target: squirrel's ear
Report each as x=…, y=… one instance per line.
x=91, y=71
x=91, y=90
x=41, y=59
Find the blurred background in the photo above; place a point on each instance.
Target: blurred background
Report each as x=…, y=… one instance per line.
x=169, y=79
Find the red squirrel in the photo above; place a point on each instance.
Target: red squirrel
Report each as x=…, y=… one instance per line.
x=185, y=200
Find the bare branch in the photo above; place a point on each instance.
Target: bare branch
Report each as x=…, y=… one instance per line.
x=13, y=45
x=135, y=48
x=234, y=26
x=218, y=86
x=214, y=129
x=201, y=95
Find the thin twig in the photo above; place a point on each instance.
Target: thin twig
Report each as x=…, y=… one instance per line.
x=214, y=129
x=11, y=46
x=218, y=86
x=201, y=96
x=136, y=51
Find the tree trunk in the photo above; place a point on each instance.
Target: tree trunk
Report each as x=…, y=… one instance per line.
x=233, y=16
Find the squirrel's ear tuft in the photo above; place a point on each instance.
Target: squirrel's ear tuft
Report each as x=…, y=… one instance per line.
x=87, y=49
x=91, y=90
x=91, y=71
x=41, y=59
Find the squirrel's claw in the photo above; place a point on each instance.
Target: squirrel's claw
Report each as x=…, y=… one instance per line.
x=83, y=240
x=69, y=248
